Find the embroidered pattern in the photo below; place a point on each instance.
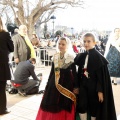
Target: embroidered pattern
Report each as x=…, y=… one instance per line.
x=60, y=88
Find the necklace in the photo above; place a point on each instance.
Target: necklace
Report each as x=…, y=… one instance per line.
x=61, y=57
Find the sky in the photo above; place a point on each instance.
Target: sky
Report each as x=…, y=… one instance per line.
x=97, y=14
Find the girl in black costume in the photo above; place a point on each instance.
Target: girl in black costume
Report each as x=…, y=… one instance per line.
x=59, y=100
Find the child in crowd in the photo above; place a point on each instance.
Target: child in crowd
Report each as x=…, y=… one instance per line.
x=59, y=101
x=95, y=92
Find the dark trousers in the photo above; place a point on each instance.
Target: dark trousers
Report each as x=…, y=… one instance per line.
x=29, y=85
x=88, y=98
x=3, y=100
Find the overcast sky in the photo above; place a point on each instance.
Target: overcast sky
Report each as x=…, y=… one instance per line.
x=101, y=14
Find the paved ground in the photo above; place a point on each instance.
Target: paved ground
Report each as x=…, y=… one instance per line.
x=25, y=108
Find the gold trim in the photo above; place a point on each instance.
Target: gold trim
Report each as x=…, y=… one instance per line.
x=60, y=88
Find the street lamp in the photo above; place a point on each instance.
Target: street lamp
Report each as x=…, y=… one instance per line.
x=53, y=17
x=72, y=30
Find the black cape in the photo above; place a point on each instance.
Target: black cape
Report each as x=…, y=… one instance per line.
x=96, y=62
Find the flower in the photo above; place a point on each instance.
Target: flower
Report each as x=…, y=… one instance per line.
x=68, y=58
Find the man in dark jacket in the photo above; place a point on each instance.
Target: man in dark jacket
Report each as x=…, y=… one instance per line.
x=24, y=70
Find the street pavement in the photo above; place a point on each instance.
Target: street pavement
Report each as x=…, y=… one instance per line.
x=26, y=108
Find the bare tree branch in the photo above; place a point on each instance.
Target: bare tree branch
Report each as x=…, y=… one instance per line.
x=28, y=12
x=46, y=19
x=8, y=2
x=2, y=10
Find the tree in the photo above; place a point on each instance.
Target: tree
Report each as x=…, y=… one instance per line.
x=28, y=12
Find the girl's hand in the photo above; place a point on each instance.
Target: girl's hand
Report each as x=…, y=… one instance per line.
x=76, y=90
x=100, y=97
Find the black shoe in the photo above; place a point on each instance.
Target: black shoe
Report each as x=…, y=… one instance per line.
x=115, y=83
x=5, y=112
x=112, y=81
x=22, y=93
x=41, y=92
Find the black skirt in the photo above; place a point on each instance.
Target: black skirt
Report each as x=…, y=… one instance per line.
x=53, y=100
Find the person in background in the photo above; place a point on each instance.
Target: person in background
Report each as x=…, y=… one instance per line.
x=103, y=40
x=35, y=42
x=49, y=43
x=112, y=54
x=23, y=48
x=24, y=70
x=95, y=91
x=75, y=48
x=59, y=98
x=12, y=28
x=98, y=47
x=11, y=57
x=16, y=30
x=57, y=38
x=34, y=35
x=6, y=46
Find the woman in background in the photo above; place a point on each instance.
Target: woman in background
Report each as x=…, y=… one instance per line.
x=75, y=49
x=112, y=54
x=59, y=100
x=6, y=46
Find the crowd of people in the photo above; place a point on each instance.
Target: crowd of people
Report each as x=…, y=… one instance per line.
x=79, y=84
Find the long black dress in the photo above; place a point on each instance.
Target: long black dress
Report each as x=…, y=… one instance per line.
x=98, y=72
x=113, y=57
x=6, y=46
x=53, y=101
